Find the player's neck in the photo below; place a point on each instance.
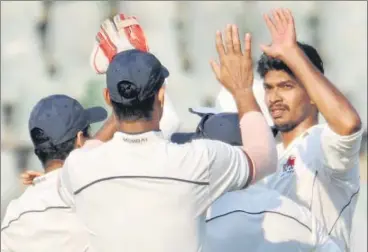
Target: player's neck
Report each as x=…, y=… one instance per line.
x=53, y=165
x=138, y=126
x=288, y=137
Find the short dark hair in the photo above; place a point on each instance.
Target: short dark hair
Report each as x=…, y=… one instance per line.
x=53, y=152
x=266, y=63
x=135, y=109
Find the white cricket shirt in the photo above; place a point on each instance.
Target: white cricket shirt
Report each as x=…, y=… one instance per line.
x=320, y=170
x=139, y=193
x=40, y=221
x=259, y=219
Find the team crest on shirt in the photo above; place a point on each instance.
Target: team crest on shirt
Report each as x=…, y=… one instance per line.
x=288, y=167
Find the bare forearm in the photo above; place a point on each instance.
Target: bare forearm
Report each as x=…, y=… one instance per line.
x=334, y=106
x=107, y=130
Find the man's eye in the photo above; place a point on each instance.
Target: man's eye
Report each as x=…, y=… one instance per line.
x=287, y=86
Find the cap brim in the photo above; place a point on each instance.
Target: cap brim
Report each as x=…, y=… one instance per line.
x=96, y=114
x=181, y=138
x=165, y=72
x=202, y=111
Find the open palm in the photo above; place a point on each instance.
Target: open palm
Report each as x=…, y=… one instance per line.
x=282, y=30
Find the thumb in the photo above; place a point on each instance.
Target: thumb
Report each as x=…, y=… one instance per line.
x=266, y=49
x=215, y=69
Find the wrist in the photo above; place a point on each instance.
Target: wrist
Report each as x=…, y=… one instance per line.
x=240, y=93
x=291, y=53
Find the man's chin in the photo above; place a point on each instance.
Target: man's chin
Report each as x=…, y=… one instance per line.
x=284, y=127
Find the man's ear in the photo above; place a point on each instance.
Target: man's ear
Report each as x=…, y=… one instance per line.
x=161, y=96
x=80, y=140
x=106, y=95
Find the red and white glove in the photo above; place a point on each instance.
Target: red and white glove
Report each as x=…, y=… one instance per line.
x=122, y=33
x=116, y=34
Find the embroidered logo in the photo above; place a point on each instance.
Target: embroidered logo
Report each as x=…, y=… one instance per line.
x=288, y=167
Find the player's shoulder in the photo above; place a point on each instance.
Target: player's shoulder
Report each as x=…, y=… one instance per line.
x=35, y=199
x=91, y=151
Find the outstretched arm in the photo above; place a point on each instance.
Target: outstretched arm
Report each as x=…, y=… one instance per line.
x=340, y=115
x=235, y=73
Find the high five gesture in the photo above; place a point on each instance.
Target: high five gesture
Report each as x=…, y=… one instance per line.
x=235, y=71
x=282, y=30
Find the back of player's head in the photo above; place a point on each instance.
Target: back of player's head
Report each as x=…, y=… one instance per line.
x=55, y=123
x=134, y=78
x=224, y=127
x=266, y=63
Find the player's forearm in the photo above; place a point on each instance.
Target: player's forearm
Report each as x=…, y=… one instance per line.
x=334, y=106
x=257, y=137
x=108, y=129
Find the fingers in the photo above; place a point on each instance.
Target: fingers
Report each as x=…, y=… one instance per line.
x=289, y=16
x=248, y=46
x=281, y=18
x=216, y=69
x=270, y=25
x=34, y=173
x=236, y=40
x=28, y=177
x=220, y=45
x=229, y=39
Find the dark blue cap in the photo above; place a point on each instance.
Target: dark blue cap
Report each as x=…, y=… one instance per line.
x=223, y=127
x=61, y=117
x=133, y=76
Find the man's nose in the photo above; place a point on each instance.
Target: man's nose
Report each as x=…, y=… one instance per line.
x=273, y=96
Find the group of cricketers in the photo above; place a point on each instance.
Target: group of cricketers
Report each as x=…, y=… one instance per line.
x=140, y=185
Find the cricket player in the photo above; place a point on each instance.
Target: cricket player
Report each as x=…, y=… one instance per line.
x=39, y=220
x=258, y=218
x=140, y=185
x=318, y=163
x=120, y=33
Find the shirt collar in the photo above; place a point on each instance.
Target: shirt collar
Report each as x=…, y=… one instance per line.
x=283, y=151
x=139, y=138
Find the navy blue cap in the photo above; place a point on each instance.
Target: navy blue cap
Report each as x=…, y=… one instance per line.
x=223, y=127
x=61, y=117
x=134, y=76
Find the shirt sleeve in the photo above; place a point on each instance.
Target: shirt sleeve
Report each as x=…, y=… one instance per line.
x=341, y=153
x=64, y=182
x=228, y=168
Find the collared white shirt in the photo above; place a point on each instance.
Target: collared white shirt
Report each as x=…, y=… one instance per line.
x=259, y=219
x=40, y=221
x=144, y=193
x=320, y=171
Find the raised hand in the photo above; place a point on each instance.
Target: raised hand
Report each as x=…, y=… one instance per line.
x=117, y=34
x=235, y=71
x=280, y=23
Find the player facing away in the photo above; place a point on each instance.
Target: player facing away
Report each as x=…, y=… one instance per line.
x=120, y=33
x=256, y=219
x=141, y=192
x=39, y=220
x=318, y=163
